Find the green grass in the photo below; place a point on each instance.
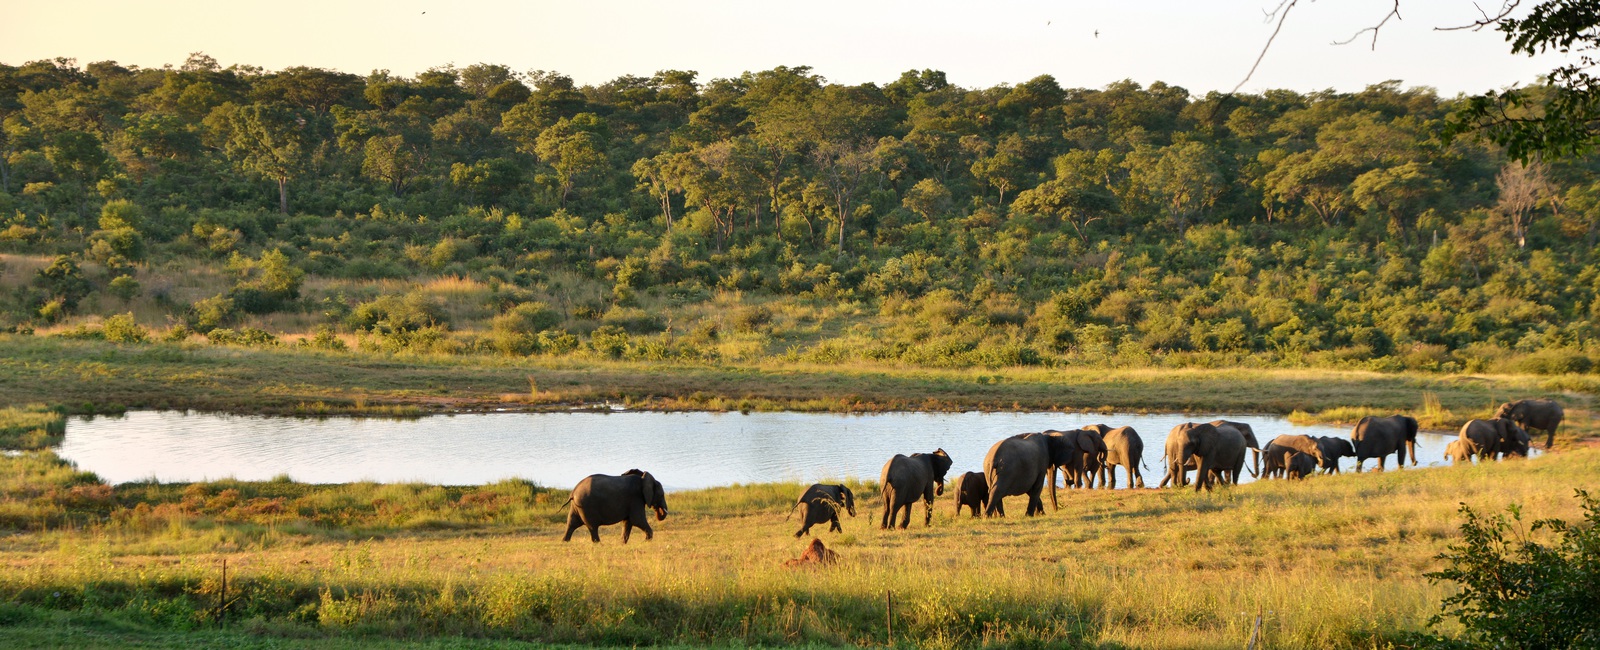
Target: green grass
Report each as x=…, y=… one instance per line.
x=31, y=427
x=94, y=375
x=1332, y=562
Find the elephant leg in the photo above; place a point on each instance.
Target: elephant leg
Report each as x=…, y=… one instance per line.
x=594, y=533
x=833, y=524
x=927, y=511
x=1550, y=437
x=627, y=530
x=888, y=508
x=644, y=525
x=573, y=522
x=804, y=530
x=905, y=517
x=1202, y=476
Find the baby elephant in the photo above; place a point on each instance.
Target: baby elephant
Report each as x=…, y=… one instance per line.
x=1301, y=465
x=1458, y=452
x=822, y=503
x=972, y=491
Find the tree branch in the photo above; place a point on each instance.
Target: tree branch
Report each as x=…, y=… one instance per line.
x=1393, y=13
x=1506, y=8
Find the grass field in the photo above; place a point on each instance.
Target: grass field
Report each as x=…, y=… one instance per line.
x=1329, y=562
x=91, y=375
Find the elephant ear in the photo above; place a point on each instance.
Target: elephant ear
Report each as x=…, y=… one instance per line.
x=647, y=485
x=941, y=463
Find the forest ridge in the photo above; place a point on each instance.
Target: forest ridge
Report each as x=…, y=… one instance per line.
x=776, y=215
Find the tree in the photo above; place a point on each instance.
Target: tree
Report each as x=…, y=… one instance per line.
x=574, y=148
x=270, y=140
x=1184, y=179
x=1523, y=186
x=928, y=198
x=843, y=171
x=389, y=158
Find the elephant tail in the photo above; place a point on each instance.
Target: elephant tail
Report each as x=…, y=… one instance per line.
x=564, y=504
x=791, y=511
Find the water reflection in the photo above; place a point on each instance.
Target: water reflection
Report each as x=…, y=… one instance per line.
x=686, y=450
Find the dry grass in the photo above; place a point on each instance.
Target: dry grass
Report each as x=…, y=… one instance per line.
x=1333, y=562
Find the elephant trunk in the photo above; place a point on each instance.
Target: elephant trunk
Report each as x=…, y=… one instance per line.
x=661, y=513
x=1255, y=462
x=1053, y=503
x=1411, y=448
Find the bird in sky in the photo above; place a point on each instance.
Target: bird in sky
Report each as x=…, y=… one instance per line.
x=1097, y=33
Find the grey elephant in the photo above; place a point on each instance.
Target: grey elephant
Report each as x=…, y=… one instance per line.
x=906, y=479
x=1542, y=414
x=1250, y=442
x=1375, y=437
x=1277, y=453
x=1124, y=448
x=1300, y=465
x=1218, y=450
x=1021, y=464
x=822, y=504
x=1487, y=439
x=1458, y=452
x=1332, y=450
x=602, y=500
x=1089, y=453
x=972, y=491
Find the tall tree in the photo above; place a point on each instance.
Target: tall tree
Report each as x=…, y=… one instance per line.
x=271, y=140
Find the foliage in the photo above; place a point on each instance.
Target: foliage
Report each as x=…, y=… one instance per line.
x=1128, y=225
x=1519, y=592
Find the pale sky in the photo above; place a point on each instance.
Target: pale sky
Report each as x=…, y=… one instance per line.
x=1201, y=45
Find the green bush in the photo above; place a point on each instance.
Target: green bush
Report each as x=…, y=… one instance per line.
x=122, y=328
x=209, y=314
x=1519, y=592
x=1555, y=361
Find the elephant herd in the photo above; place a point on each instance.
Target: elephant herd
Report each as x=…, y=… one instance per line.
x=1021, y=465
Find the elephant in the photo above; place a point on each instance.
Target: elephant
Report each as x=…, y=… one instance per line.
x=822, y=503
x=1021, y=464
x=1250, y=442
x=1542, y=414
x=1278, y=451
x=1218, y=449
x=1300, y=465
x=602, y=500
x=972, y=491
x=1124, y=447
x=1375, y=437
x=906, y=479
x=1088, y=456
x=1458, y=452
x=1487, y=439
x=1332, y=450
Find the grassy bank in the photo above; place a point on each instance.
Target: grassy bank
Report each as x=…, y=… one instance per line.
x=1332, y=562
x=91, y=375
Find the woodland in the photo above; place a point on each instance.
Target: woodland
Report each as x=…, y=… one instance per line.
x=479, y=210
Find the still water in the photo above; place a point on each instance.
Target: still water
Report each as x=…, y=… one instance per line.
x=685, y=450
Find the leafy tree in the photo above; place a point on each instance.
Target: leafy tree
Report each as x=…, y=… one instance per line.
x=575, y=149
x=391, y=160
x=927, y=198
x=272, y=141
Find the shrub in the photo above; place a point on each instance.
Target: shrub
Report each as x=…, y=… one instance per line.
x=122, y=328
x=325, y=339
x=390, y=314
x=248, y=336
x=609, y=340
x=124, y=287
x=209, y=314
x=1555, y=361
x=1516, y=592
x=516, y=331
